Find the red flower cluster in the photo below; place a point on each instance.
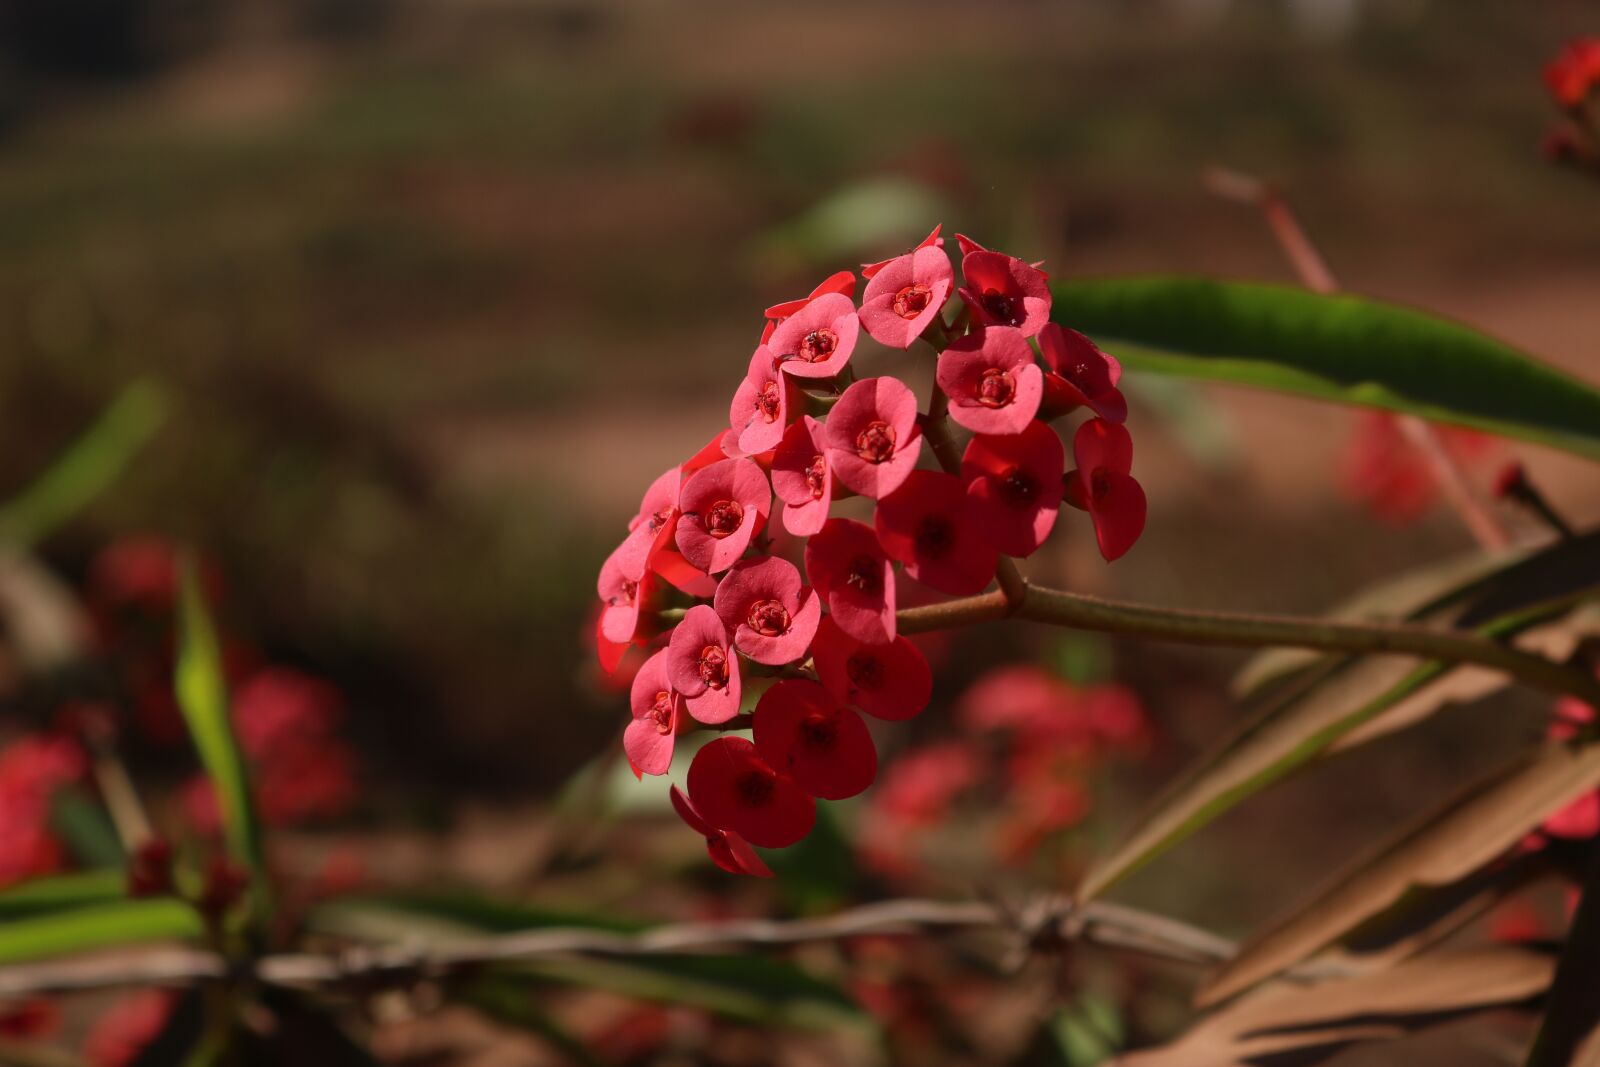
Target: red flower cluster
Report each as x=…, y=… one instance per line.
x=1388, y=472
x=1575, y=72
x=1052, y=735
x=32, y=768
x=805, y=430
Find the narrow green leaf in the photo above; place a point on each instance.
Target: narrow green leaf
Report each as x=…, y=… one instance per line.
x=88, y=467
x=1342, y=348
x=203, y=696
x=98, y=926
x=84, y=826
x=61, y=893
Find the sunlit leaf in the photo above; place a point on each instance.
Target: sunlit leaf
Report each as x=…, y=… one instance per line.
x=61, y=892
x=1461, y=837
x=86, y=469
x=1344, y=348
x=202, y=693
x=97, y=926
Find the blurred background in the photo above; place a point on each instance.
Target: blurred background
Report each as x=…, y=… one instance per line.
x=436, y=288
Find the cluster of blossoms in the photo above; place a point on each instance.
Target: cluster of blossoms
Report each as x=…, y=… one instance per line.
x=806, y=431
x=32, y=769
x=1038, y=736
x=1573, y=80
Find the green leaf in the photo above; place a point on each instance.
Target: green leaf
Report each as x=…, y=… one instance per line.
x=98, y=926
x=89, y=466
x=61, y=893
x=1447, y=846
x=84, y=826
x=1347, y=349
x=203, y=696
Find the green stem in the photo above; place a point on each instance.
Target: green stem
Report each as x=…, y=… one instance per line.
x=1061, y=608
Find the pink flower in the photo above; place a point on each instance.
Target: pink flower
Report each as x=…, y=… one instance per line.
x=1002, y=290
x=889, y=681
x=905, y=295
x=760, y=408
x=991, y=379
x=1385, y=469
x=928, y=525
x=933, y=240
x=622, y=600
x=816, y=341
x=652, y=527
x=853, y=575
x=722, y=506
x=826, y=749
x=872, y=436
x=657, y=717
x=917, y=788
x=733, y=788
x=1103, y=487
x=802, y=478
x=32, y=769
x=843, y=283
x=702, y=665
x=1014, y=484
x=727, y=849
x=1080, y=375
x=770, y=613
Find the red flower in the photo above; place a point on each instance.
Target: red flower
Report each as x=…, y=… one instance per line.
x=1580, y=819
x=1103, y=487
x=735, y=789
x=770, y=613
x=29, y=1020
x=991, y=379
x=760, y=408
x=622, y=601
x=933, y=240
x=1002, y=290
x=917, y=788
x=1080, y=375
x=657, y=717
x=136, y=571
x=852, y=573
x=905, y=295
x=651, y=529
x=702, y=665
x=825, y=748
x=928, y=525
x=32, y=769
x=1575, y=72
x=802, y=478
x=131, y=1023
x=722, y=506
x=816, y=341
x=1386, y=470
x=872, y=435
x=1014, y=485
x=889, y=681
x=728, y=850
x=843, y=283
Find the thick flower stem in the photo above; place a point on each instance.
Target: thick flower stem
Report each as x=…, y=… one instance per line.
x=1061, y=608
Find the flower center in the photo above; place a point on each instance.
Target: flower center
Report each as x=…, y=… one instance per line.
x=630, y=590
x=723, y=518
x=996, y=388
x=660, y=518
x=818, y=345
x=935, y=536
x=864, y=574
x=819, y=730
x=1018, y=488
x=661, y=712
x=767, y=401
x=1100, y=483
x=754, y=788
x=768, y=618
x=713, y=666
x=865, y=670
x=1000, y=307
x=912, y=301
x=875, y=444
x=817, y=476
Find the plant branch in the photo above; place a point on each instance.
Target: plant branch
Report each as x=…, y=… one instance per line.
x=1075, y=610
x=1569, y=1036
x=1043, y=922
x=1314, y=274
